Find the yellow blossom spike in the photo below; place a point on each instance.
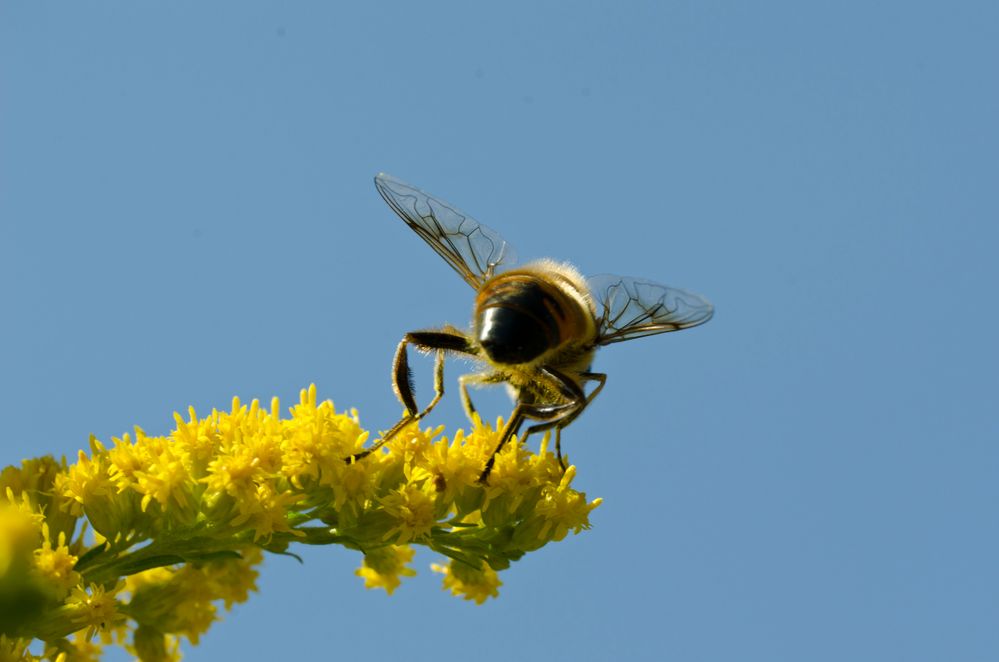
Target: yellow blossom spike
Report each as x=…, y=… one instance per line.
x=185, y=516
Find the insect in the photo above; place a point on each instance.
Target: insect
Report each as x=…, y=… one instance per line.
x=535, y=327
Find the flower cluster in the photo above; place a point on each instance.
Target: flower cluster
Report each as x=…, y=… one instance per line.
x=179, y=523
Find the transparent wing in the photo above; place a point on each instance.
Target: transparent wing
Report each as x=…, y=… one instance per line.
x=473, y=249
x=630, y=308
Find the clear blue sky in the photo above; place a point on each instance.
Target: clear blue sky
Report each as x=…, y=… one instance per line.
x=187, y=214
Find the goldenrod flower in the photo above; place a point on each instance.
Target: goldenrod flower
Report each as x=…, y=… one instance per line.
x=383, y=567
x=469, y=582
x=20, y=532
x=78, y=649
x=180, y=521
x=12, y=648
x=266, y=511
x=151, y=645
x=23, y=594
x=413, y=508
x=54, y=563
x=89, y=480
x=564, y=509
x=94, y=608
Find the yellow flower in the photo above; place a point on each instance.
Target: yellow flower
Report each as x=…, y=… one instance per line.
x=383, y=567
x=237, y=474
x=198, y=439
x=181, y=600
x=55, y=563
x=356, y=484
x=478, y=584
x=152, y=577
x=151, y=645
x=34, y=479
x=193, y=617
x=458, y=464
x=266, y=511
x=126, y=460
x=412, y=507
x=232, y=581
x=77, y=649
x=411, y=445
x=96, y=610
x=185, y=517
x=88, y=482
x=564, y=509
x=20, y=532
x=13, y=649
x=165, y=479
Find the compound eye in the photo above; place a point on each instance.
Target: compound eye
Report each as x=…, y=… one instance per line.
x=510, y=337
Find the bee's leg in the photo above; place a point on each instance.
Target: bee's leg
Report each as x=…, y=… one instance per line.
x=549, y=414
x=475, y=378
x=402, y=378
x=558, y=423
x=520, y=412
x=594, y=377
x=466, y=400
x=558, y=447
x=510, y=429
x=570, y=416
x=393, y=431
x=449, y=340
x=438, y=384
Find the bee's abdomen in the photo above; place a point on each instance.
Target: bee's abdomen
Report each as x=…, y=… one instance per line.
x=519, y=318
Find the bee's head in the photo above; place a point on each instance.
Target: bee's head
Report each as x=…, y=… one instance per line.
x=510, y=335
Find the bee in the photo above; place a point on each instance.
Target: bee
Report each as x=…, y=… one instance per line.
x=536, y=327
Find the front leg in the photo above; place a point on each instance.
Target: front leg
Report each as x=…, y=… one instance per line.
x=476, y=379
x=550, y=413
x=563, y=422
x=521, y=412
x=447, y=340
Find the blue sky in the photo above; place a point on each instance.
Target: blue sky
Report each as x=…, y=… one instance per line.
x=187, y=214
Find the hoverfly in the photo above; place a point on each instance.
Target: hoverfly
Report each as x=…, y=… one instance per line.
x=535, y=327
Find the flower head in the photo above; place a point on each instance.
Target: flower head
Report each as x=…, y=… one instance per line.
x=383, y=567
x=95, y=608
x=180, y=520
x=469, y=582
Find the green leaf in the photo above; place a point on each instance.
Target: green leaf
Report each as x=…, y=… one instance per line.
x=292, y=555
x=219, y=555
x=139, y=565
x=91, y=554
